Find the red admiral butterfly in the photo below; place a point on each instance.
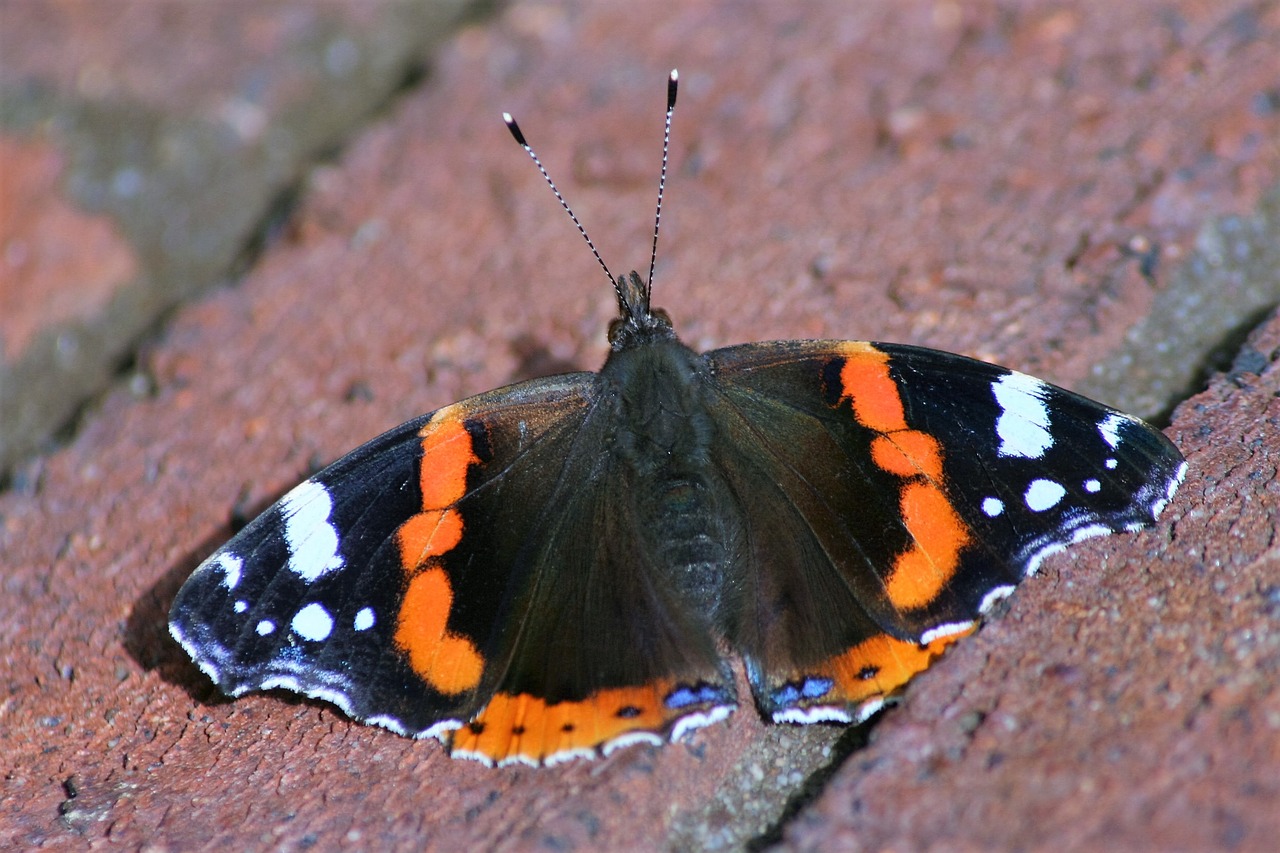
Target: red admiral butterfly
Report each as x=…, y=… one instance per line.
x=563, y=566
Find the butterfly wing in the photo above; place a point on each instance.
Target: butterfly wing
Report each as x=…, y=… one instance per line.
x=469, y=568
x=895, y=493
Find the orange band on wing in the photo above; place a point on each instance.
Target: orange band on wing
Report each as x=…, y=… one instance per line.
x=867, y=384
x=908, y=453
x=426, y=535
x=881, y=665
x=447, y=453
x=449, y=662
x=938, y=534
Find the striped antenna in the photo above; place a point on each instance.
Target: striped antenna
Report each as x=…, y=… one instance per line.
x=515, y=131
x=672, y=85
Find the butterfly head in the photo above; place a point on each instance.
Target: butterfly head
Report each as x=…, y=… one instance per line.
x=636, y=322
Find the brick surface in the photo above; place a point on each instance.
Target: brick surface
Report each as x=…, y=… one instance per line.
x=1019, y=184
x=166, y=133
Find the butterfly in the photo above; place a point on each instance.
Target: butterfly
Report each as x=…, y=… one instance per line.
x=565, y=566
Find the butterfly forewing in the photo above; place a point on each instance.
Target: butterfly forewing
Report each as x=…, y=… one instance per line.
x=908, y=489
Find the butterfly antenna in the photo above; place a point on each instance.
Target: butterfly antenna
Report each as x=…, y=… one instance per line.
x=672, y=84
x=519, y=137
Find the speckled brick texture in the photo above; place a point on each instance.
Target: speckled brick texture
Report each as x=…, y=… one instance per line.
x=1021, y=182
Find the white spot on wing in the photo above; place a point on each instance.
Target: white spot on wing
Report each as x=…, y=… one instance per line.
x=696, y=721
x=566, y=755
x=819, y=714
x=440, y=730
x=830, y=714
x=1043, y=494
x=1109, y=428
x=364, y=619
x=390, y=723
x=631, y=738
x=1033, y=565
x=1091, y=531
x=1023, y=424
x=868, y=708
x=312, y=539
x=1092, y=485
x=200, y=655
x=230, y=565
x=992, y=506
x=241, y=606
x=265, y=627
x=336, y=694
x=472, y=755
x=1158, y=506
x=312, y=623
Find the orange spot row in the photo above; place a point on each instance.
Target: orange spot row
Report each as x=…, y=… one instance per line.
x=938, y=534
x=527, y=728
x=447, y=456
x=920, y=572
x=877, y=404
x=881, y=665
x=447, y=453
x=908, y=453
x=428, y=534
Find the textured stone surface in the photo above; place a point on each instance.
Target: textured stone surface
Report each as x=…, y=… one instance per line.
x=1016, y=183
x=160, y=136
